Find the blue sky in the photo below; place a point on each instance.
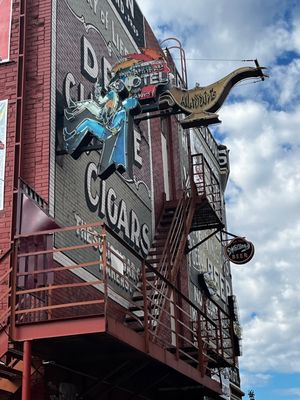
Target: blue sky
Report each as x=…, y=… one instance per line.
x=260, y=125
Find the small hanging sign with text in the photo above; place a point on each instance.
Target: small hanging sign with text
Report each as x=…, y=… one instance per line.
x=239, y=250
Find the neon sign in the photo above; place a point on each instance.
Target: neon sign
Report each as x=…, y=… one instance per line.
x=108, y=117
x=140, y=81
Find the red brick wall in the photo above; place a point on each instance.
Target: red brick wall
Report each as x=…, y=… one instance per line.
x=35, y=136
x=35, y=165
x=150, y=39
x=8, y=82
x=157, y=163
x=176, y=166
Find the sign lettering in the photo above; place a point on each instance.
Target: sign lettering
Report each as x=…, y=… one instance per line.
x=132, y=18
x=103, y=200
x=239, y=251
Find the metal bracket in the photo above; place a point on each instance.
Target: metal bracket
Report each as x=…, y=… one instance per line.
x=203, y=240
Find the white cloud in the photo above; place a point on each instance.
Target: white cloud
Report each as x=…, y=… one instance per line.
x=218, y=29
x=255, y=380
x=265, y=152
x=260, y=127
x=294, y=391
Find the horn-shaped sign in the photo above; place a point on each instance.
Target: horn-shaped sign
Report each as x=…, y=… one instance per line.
x=201, y=103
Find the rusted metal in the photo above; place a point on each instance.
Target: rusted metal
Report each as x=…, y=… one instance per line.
x=176, y=331
x=64, y=286
x=170, y=327
x=26, y=370
x=66, y=305
x=13, y=284
x=5, y=254
x=104, y=264
x=178, y=46
x=220, y=332
x=58, y=230
x=60, y=250
x=145, y=303
x=60, y=269
x=203, y=240
x=61, y=328
x=201, y=365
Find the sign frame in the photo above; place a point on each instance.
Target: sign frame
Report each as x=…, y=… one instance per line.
x=243, y=249
x=5, y=33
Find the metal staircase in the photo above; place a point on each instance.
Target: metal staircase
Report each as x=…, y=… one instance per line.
x=155, y=304
x=165, y=257
x=10, y=364
x=198, y=208
x=11, y=356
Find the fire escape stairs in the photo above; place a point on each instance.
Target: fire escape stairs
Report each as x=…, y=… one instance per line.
x=179, y=218
x=166, y=252
x=11, y=370
x=11, y=366
x=199, y=210
x=11, y=363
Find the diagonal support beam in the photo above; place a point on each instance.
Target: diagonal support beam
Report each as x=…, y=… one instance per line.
x=203, y=240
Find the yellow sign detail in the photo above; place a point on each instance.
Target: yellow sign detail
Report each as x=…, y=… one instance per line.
x=201, y=103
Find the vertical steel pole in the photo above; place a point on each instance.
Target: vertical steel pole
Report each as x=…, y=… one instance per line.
x=104, y=265
x=147, y=320
x=201, y=365
x=26, y=370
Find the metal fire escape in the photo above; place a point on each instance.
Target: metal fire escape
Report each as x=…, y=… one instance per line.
x=52, y=298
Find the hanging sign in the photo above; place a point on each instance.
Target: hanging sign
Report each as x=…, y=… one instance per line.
x=108, y=116
x=146, y=74
x=201, y=103
x=5, y=21
x=239, y=250
x=139, y=83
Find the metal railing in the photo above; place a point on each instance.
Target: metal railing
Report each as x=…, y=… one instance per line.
x=51, y=281
x=206, y=184
x=5, y=294
x=171, y=257
x=73, y=272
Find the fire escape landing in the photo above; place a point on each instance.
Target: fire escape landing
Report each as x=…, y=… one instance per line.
x=64, y=299
x=206, y=190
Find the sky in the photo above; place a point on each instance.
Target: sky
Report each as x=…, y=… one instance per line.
x=260, y=126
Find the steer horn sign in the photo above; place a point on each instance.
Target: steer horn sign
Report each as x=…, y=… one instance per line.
x=201, y=103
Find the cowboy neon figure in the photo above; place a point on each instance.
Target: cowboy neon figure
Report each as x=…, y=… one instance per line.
x=110, y=126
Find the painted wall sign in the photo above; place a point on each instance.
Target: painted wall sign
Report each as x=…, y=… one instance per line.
x=209, y=256
x=5, y=24
x=201, y=103
x=89, y=38
x=223, y=157
x=104, y=200
x=104, y=18
x=132, y=18
x=239, y=250
x=3, y=127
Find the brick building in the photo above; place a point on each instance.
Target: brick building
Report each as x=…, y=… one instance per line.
x=109, y=288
